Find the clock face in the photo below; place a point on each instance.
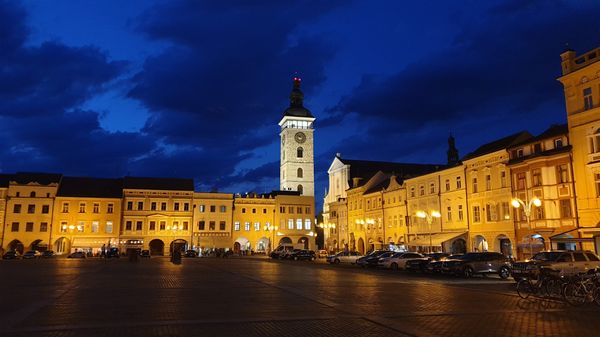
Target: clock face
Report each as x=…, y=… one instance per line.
x=300, y=137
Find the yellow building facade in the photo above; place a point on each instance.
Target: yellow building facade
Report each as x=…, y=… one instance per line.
x=581, y=81
x=213, y=220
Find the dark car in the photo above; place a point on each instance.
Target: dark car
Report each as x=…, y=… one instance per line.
x=562, y=262
x=77, y=255
x=48, y=254
x=302, y=254
x=421, y=264
x=372, y=259
x=191, y=253
x=113, y=253
x=479, y=263
x=145, y=253
x=31, y=254
x=436, y=266
x=11, y=255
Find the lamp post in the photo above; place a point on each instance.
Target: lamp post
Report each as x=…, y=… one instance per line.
x=272, y=229
x=527, y=207
x=429, y=217
x=328, y=226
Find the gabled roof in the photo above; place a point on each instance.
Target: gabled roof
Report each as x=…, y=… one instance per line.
x=23, y=178
x=90, y=187
x=4, y=179
x=366, y=169
x=502, y=143
x=381, y=185
x=553, y=131
x=167, y=184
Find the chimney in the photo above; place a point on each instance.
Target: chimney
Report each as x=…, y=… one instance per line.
x=567, y=61
x=356, y=181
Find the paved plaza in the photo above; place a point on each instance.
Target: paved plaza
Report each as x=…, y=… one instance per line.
x=259, y=297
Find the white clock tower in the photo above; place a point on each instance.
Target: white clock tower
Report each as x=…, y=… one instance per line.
x=297, y=169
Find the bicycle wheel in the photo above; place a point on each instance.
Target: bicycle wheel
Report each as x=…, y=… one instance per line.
x=596, y=295
x=524, y=288
x=554, y=288
x=575, y=294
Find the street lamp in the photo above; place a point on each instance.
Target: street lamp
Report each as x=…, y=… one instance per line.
x=272, y=229
x=429, y=217
x=527, y=206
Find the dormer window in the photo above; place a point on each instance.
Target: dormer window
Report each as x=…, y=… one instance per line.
x=537, y=148
x=558, y=143
x=519, y=153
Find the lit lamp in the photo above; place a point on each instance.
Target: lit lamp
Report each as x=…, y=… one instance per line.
x=527, y=207
x=429, y=217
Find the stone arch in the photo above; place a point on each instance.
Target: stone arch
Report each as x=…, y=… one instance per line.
x=16, y=245
x=480, y=244
x=38, y=245
x=157, y=247
x=361, y=245
x=503, y=245
x=263, y=244
x=62, y=245
x=285, y=241
x=241, y=244
x=179, y=245
x=459, y=246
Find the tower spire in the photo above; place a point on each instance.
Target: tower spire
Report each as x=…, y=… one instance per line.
x=452, y=151
x=296, y=96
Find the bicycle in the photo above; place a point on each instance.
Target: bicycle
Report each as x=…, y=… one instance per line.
x=583, y=288
x=525, y=287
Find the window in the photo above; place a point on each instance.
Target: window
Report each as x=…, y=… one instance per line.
x=95, y=225
x=109, y=227
x=558, y=143
x=30, y=209
x=307, y=224
x=539, y=213
x=256, y=226
x=562, y=173
x=110, y=208
x=449, y=214
x=162, y=225
x=222, y=225
x=223, y=208
x=299, y=210
x=503, y=179
x=591, y=257
x=300, y=173
x=281, y=209
x=460, y=213
x=247, y=226
x=536, y=177
x=152, y=226
x=138, y=226
x=163, y=206
x=153, y=206
x=14, y=227
x=17, y=208
x=96, y=208
x=476, y=214
x=236, y=226
x=176, y=206
x=300, y=152
x=264, y=211
x=32, y=194
x=431, y=188
x=243, y=210
x=298, y=223
x=447, y=184
x=505, y=210
x=186, y=207
x=537, y=148
x=588, y=101
x=290, y=223
x=307, y=210
x=491, y=212
x=474, y=185
x=202, y=224
x=521, y=182
x=519, y=153
x=254, y=210
x=202, y=208
x=176, y=225
x=458, y=182
x=565, y=208
x=212, y=225
x=291, y=210
x=29, y=227
x=597, y=183
x=412, y=192
x=81, y=227
x=130, y=205
x=488, y=182
x=127, y=225
x=65, y=207
x=43, y=227
x=63, y=227
x=421, y=190
x=81, y=208
x=300, y=189
x=140, y=206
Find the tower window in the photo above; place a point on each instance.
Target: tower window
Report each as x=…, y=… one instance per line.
x=300, y=189
x=300, y=152
x=300, y=173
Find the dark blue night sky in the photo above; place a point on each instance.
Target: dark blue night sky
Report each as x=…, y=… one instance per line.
x=196, y=88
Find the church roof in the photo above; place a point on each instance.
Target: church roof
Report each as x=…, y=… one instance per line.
x=366, y=169
x=296, y=108
x=502, y=143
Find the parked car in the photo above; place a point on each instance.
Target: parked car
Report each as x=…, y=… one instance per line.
x=561, y=261
x=372, y=259
x=77, y=255
x=398, y=260
x=191, y=253
x=421, y=264
x=436, y=266
x=32, y=254
x=344, y=257
x=11, y=255
x=47, y=254
x=322, y=253
x=145, y=253
x=302, y=254
x=479, y=263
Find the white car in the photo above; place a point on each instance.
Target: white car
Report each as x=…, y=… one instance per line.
x=344, y=257
x=398, y=260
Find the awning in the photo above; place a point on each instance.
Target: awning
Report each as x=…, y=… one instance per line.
x=436, y=239
x=92, y=242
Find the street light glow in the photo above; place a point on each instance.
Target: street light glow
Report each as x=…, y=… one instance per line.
x=436, y=214
x=537, y=202
x=515, y=203
x=421, y=214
